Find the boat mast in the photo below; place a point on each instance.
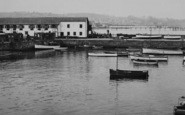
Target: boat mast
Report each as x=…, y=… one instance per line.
x=117, y=61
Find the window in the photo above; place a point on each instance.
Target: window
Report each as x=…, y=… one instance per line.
x=81, y=26
x=14, y=27
x=39, y=27
x=68, y=25
x=61, y=34
x=26, y=32
x=68, y=33
x=31, y=27
x=80, y=33
x=74, y=33
x=53, y=26
x=1, y=27
x=7, y=27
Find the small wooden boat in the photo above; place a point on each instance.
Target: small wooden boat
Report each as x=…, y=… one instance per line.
x=148, y=37
x=46, y=47
x=146, y=62
x=103, y=54
x=170, y=37
x=162, y=51
x=180, y=108
x=149, y=57
x=131, y=74
x=60, y=48
x=119, y=53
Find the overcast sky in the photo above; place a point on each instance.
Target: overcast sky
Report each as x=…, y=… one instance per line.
x=156, y=8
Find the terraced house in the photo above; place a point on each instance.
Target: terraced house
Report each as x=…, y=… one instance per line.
x=61, y=26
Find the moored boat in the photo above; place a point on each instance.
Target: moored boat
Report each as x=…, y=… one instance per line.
x=119, y=53
x=149, y=57
x=103, y=54
x=180, y=108
x=148, y=37
x=60, y=48
x=170, y=37
x=128, y=74
x=146, y=62
x=131, y=74
x=162, y=51
x=46, y=47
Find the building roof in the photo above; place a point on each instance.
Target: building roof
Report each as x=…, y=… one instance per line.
x=41, y=20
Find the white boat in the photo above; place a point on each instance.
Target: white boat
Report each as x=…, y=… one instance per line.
x=103, y=54
x=162, y=51
x=149, y=57
x=146, y=62
x=148, y=37
x=170, y=37
x=44, y=47
x=60, y=48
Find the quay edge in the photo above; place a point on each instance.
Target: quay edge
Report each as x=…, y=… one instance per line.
x=122, y=43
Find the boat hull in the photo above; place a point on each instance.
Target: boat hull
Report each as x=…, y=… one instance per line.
x=129, y=74
x=178, y=111
x=60, y=48
x=162, y=51
x=153, y=58
x=102, y=55
x=45, y=47
x=145, y=62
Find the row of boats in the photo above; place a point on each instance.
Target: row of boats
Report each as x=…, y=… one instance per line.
x=144, y=56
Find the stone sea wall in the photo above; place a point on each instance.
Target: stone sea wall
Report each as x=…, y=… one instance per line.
x=166, y=44
x=17, y=46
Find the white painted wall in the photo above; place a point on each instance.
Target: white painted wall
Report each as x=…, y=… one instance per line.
x=74, y=27
x=30, y=32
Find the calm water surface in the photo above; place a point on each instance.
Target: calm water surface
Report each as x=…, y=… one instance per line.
x=71, y=83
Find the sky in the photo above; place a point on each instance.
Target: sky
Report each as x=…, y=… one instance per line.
x=120, y=8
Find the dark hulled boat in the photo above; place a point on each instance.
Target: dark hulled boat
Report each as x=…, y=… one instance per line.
x=131, y=74
x=180, y=108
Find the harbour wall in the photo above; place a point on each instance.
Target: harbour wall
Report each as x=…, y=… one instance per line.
x=17, y=46
x=121, y=43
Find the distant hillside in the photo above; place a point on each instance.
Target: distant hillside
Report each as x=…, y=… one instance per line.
x=105, y=19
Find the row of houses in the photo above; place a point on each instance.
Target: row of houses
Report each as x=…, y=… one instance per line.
x=60, y=26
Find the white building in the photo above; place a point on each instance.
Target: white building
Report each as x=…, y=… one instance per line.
x=62, y=27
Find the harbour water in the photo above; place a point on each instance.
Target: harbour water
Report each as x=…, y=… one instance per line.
x=71, y=83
